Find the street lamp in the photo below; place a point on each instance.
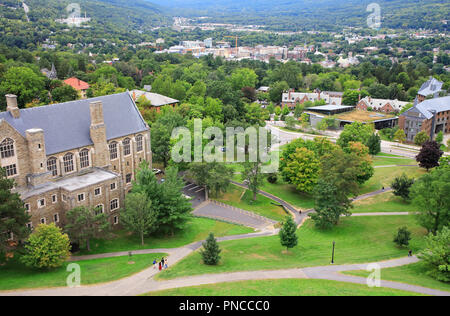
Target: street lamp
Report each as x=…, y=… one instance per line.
x=332, y=254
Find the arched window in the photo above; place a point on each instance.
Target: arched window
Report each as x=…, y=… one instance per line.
x=139, y=143
x=68, y=163
x=126, y=147
x=84, y=158
x=51, y=166
x=113, y=150
x=99, y=209
x=7, y=148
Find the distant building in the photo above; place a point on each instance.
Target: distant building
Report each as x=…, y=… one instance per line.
x=291, y=98
x=263, y=89
x=431, y=116
x=156, y=100
x=50, y=74
x=78, y=85
x=381, y=105
x=430, y=88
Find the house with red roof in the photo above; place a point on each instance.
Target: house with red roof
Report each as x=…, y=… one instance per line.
x=78, y=85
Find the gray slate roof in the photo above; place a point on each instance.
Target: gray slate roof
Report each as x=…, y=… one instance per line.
x=67, y=125
x=154, y=98
x=437, y=104
x=431, y=87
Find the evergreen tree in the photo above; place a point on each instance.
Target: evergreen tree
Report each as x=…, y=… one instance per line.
x=429, y=155
x=288, y=236
x=211, y=251
x=403, y=237
x=13, y=215
x=401, y=186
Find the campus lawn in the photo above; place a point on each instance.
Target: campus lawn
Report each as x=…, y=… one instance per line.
x=384, y=202
x=243, y=199
x=197, y=229
x=283, y=287
x=385, y=176
x=14, y=275
x=387, y=161
x=414, y=273
x=358, y=240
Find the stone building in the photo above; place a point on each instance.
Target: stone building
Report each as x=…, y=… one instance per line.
x=79, y=153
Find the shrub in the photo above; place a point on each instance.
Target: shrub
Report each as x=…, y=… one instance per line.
x=272, y=177
x=403, y=237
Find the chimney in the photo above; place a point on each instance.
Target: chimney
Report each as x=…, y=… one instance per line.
x=11, y=105
x=98, y=136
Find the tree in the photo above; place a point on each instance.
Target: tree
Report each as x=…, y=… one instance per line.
x=211, y=251
x=288, y=236
x=439, y=137
x=374, y=144
x=243, y=77
x=431, y=195
x=290, y=122
x=401, y=186
x=302, y=169
x=83, y=224
x=272, y=177
x=276, y=91
x=355, y=132
x=403, y=237
x=23, y=82
x=46, y=248
x=252, y=174
x=365, y=168
x=429, y=155
x=13, y=215
x=437, y=255
x=138, y=215
x=421, y=138
x=329, y=205
x=216, y=177
x=64, y=93
x=171, y=209
x=400, y=136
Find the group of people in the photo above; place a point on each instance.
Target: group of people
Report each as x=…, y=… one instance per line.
x=163, y=264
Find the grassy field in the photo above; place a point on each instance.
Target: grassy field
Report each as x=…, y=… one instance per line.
x=387, y=161
x=358, y=240
x=197, y=229
x=384, y=177
x=243, y=199
x=414, y=273
x=283, y=287
x=15, y=275
x=385, y=202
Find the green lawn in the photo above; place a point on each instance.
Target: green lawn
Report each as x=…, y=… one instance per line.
x=358, y=240
x=15, y=275
x=283, y=287
x=243, y=199
x=414, y=273
x=385, y=161
x=384, y=177
x=197, y=229
x=385, y=202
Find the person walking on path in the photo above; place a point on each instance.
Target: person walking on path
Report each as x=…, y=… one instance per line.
x=166, y=263
x=160, y=266
x=154, y=263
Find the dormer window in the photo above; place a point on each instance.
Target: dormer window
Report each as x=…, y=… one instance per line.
x=7, y=148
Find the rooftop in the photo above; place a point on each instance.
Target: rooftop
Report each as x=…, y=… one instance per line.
x=364, y=116
x=329, y=107
x=154, y=98
x=436, y=104
x=431, y=87
x=77, y=84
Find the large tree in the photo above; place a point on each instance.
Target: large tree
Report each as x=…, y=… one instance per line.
x=429, y=155
x=302, y=169
x=355, y=132
x=252, y=174
x=138, y=215
x=431, y=195
x=84, y=223
x=13, y=217
x=374, y=144
x=46, y=248
x=437, y=255
x=402, y=185
x=214, y=176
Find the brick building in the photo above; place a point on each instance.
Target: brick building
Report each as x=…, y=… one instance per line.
x=291, y=98
x=79, y=153
x=79, y=85
x=381, y=105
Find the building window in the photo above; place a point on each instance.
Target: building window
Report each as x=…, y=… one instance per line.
x=11, y=170
x=56, y=218
x=51, y=166
x=128, y=178
x=68, y=163
x=97, y=191
x=54, y=198
x=116, y=220
x=43, y=220
x=139, y=143
x=30, y=225
x=114, y=204
x=64, y=198
x=81, y=197
x=7, y=148
x=113, y=186
x=113, y=150
x=84, y=158
x=27, y=207
x=99, y=209
x=126, y=147
x=41, y=203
